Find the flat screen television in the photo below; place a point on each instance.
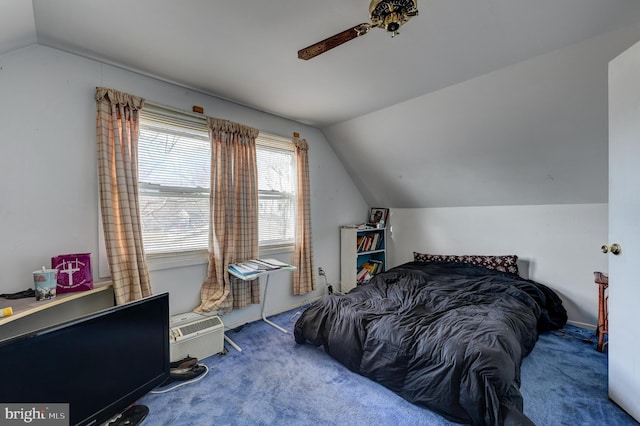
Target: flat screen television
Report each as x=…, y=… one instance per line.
x=99, y=364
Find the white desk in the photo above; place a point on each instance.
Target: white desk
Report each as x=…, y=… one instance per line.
x=258, y=274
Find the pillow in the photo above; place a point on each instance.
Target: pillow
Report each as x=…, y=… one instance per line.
x=507, y=263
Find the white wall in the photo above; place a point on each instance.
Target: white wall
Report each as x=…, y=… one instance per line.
x=561, y=243
x=531, y=133
x=48, y=182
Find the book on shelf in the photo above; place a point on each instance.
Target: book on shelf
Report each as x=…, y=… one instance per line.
x=363, y=276
x=368, y=269
x=378, y=265
x=362, y=244
x=369, y=242
x=364, y=227
x=374, y=241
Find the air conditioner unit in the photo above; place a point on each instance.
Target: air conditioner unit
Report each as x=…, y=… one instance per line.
x=195, y=335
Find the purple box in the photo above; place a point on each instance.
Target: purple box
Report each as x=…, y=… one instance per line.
x=74, y=272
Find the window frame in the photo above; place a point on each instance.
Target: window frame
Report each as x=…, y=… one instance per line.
x=192, y=126
x=269, y=141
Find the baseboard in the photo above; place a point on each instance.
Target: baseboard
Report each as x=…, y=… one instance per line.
x=313, y=299
x=582, y=325
x=231, y=326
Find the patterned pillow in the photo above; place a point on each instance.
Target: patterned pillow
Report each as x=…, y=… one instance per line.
x=506, y=263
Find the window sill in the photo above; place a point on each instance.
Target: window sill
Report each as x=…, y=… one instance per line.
x=271, y=250
x=160, y=262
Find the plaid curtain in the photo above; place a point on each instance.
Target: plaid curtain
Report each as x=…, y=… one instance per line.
x=233, y=232
x=117, y=138
x=303, y=278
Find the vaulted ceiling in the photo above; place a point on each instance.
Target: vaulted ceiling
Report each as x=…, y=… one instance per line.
x=246, y=51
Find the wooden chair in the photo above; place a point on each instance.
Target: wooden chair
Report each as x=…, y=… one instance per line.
x=603, y=311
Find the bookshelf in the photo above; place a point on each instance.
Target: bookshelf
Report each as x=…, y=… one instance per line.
x=362, y=254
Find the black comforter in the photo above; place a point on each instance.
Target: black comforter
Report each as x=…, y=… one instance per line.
x=446, y=336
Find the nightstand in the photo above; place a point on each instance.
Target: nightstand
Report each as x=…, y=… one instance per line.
x=603, y=311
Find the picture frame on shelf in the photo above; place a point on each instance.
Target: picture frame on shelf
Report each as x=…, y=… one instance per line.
x=378, y=217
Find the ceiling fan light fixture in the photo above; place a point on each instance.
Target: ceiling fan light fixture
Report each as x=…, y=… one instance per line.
x=392, y=14
x=392, y=23
x=386, y=14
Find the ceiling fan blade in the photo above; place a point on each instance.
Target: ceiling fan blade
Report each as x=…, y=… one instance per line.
x=333, y=41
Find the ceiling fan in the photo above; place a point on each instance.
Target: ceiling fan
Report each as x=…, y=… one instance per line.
x=386, y=14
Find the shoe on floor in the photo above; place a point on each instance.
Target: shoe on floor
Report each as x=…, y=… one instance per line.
x=184, y=363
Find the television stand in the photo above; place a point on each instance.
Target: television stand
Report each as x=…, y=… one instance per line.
x=132, y=416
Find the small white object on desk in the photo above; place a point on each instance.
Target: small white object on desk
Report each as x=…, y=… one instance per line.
x=255, y=268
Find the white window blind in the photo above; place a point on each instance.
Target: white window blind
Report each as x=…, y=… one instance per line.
x=276, y=191
x=174, y=163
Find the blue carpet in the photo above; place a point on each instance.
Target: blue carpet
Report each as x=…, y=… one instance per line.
x=275, y=381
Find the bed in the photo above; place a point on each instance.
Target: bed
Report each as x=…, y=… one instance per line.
x=446, y=335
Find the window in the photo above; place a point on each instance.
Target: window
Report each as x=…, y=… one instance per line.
x=174, y=161
x=277, y=180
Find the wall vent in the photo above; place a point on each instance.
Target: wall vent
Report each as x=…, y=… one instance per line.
x=199, y=338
